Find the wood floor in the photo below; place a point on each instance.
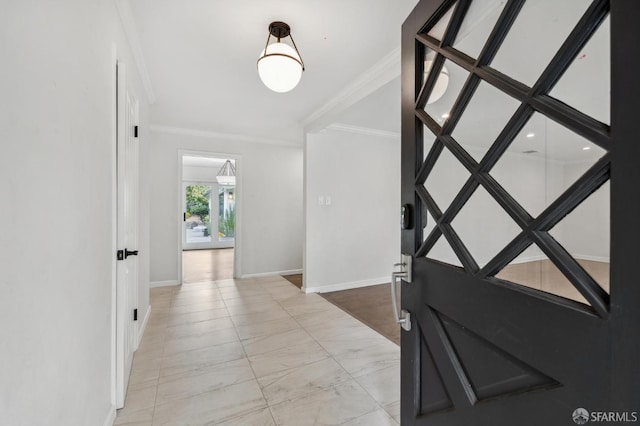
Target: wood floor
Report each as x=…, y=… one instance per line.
x=207, y=265
x=294, y=279
x=371, y=305
x=543, y=275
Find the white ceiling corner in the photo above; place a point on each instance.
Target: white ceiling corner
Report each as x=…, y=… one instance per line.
x=222, y=136
x=131, y=32
x=201, y=56
x=368, y=131
x=381, y=73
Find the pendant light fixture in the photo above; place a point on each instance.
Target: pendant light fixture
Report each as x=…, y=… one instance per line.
x=227, y=174
x=280, y=65
x=441, y=83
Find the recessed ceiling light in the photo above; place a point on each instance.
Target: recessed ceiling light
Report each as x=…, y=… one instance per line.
x=445, y=115
x=586, y=148
x=530, y=135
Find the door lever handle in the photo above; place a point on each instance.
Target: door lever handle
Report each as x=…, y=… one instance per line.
x=405, y=319
x=128, y=253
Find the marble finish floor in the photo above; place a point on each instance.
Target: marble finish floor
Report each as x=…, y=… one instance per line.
x=259, y=352
x=207, y=265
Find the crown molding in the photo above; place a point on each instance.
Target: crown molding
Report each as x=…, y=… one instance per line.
x=224, y=136
x=377, y=76
x=131, y=32
x=363, y=131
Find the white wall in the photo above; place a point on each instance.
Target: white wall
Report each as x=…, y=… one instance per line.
x=56, y=253
x=269, y=207
x=200, y=173
x=356, y=240
x=485, y=228
x=585, y=232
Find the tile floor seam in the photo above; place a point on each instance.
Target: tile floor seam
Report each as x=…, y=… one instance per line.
x=164, y=344
x=354, y=378
x=270, y=405
x=302, y=326
x=319, y=388
x=255, y=377
x=365, y=414
x=342, y=366
x=271, y=295
x=201, y=393
x=177, y=374
x=333, y=386
x=372, y=397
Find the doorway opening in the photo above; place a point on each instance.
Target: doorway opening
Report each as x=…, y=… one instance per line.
x=208, y=213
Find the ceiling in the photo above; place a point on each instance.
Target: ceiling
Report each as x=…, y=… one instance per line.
x=201, y=58
x=201, y=161
x=524, y=54
x=380, y=110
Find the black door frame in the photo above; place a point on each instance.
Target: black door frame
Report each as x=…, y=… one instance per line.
x=617, y=317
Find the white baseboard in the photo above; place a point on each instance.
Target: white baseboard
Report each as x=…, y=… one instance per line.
x=346, y=285
x=272, y=274
x=156, y=284
x=143, y=326
x=111, y=416
x=517, y=261
x=594, y=258
x=543, y=257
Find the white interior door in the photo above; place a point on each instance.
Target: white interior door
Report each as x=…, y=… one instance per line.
x=127, y=265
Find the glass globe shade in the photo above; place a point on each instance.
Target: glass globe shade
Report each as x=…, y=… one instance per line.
x=441, y=83
x=226, y=180
x=280, y=72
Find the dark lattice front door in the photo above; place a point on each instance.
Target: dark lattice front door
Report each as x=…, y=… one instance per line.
x=520, y=153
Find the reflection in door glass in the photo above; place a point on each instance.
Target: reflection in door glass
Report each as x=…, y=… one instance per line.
x=534, y=269
x=536, y=36
x=585, y=234
x=446, y=90
x=428, y=140
x=198, y=214
x=542, y=162
x=472, y=132
x=446, y=179
x=438, y=30
x=443, y=252
x=484, y=227
x=477, y=25
x=586, y=85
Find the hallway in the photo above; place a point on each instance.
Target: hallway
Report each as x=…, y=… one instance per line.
x=207, y=265
x=259, y=352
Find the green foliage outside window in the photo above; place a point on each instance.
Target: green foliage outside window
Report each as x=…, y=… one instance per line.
x=227, y=224
x=198, y=200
